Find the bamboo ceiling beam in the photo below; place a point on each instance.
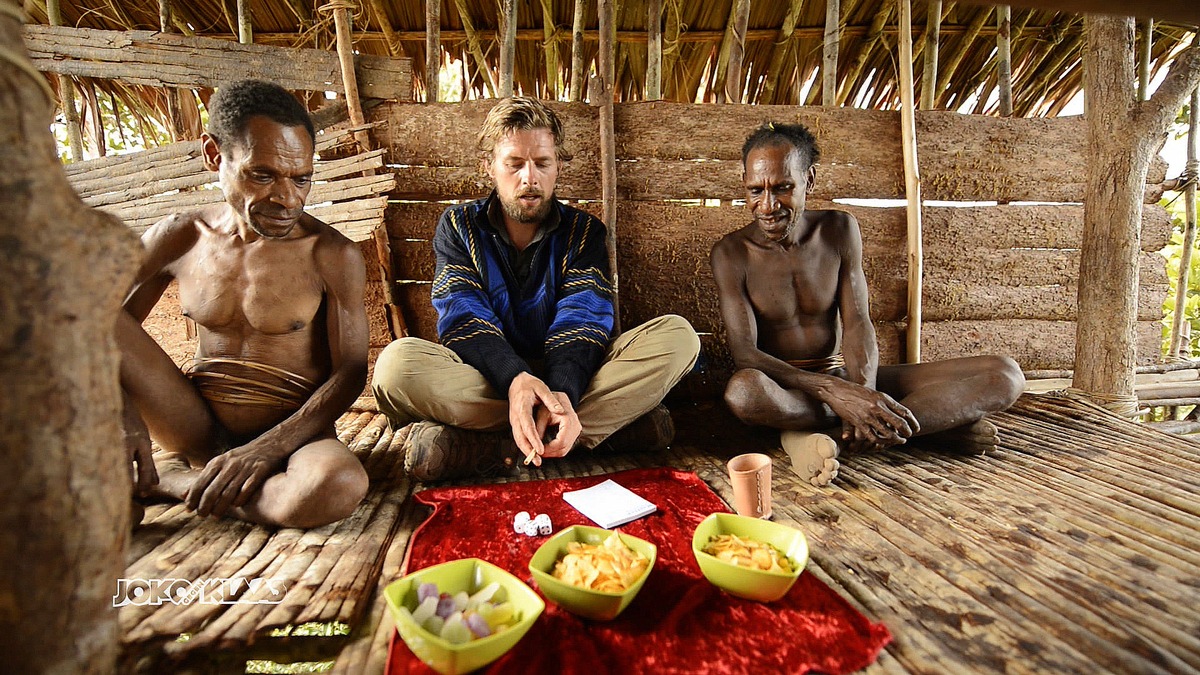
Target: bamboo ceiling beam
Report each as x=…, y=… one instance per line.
x=1004, y=59
x=508, y=47
x=385, y=25
x=781, y=50
x=864, y=50
x=653, y=50
x=671, y=49
x=956, y=56
x=1147, y=48
x=550, y=31
x=933, y=27
x=576, y=87
x=244, y=21
x=473, y=37
x=433, y=50
x=1050, y=68
x=912, y=184
x=729, y=58
x=829, y=56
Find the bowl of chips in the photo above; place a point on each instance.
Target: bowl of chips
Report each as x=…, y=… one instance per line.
x=462, y=615
x=751, y=558
x=592, y=572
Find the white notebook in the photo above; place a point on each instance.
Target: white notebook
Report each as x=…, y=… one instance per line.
x=609, y=504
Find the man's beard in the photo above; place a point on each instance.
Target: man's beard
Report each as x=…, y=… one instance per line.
x=517, y=212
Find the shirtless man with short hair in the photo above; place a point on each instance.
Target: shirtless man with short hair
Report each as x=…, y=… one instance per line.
x=785, y=281
x=278, y=298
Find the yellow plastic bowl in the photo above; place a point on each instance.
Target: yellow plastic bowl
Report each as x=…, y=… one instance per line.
x=467, y=574
x=584, y=602
x=745, y=582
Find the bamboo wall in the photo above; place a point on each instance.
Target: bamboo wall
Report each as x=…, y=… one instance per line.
x=998, y=279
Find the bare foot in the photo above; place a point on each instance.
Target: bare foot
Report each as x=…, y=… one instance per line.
x=175, y=476
x=979, y=438
x=813, y=455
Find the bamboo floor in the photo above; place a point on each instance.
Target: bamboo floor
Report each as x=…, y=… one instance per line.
x=1073, y=547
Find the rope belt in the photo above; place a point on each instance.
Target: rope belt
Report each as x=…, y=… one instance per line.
x=265, y=386
x=825, y=365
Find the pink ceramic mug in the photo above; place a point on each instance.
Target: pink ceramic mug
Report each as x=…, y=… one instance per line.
x=750, y=475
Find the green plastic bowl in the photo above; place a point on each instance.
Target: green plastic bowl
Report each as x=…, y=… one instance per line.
x=467, y=574
x=745, y=582
x=581, y=601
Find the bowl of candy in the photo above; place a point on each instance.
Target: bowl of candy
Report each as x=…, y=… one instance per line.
x=462, y=615
x=592, y=572
x=751, y=558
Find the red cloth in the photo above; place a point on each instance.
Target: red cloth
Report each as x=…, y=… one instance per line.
x=678, y=623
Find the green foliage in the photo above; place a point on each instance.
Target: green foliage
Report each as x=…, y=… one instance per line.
x=1173, y=253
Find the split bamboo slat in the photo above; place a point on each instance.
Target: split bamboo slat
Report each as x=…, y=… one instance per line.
x=162, y=60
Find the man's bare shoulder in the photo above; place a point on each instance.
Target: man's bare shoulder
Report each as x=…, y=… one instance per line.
x=833, y=224
x=735, y=243
x=178, y=233
x=332, y=247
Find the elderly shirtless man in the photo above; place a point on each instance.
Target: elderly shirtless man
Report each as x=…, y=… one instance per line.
x=278, y=298
x=785, y=282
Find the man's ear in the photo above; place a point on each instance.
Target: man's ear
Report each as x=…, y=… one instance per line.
x=210, y=152
x=812, y=178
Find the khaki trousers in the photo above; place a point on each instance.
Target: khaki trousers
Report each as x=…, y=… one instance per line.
x=418, y=380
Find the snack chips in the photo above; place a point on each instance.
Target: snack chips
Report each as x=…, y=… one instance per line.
x=610, y=567
x=748, y=553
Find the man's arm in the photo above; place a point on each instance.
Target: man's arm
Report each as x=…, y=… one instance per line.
x=232, y=478
x=859, y=346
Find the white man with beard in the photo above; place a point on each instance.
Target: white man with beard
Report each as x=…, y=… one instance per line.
x=794, y=302
x=527, y=367
x=278, y=299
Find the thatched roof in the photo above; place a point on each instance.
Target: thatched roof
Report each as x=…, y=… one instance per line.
x=779, y=64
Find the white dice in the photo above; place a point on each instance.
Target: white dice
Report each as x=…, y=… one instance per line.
x=543, y=524
x=519, y=522
x=532, y=527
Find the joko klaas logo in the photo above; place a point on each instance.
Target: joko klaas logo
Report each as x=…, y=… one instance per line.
x=232, y=591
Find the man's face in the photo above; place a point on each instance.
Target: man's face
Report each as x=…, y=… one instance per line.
x=524, y=168
x=777, y=183
x=265, y=175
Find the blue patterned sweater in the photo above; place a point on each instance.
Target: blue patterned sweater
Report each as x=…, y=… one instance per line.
x=562, y=314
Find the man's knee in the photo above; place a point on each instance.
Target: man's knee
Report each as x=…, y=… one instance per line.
x=683, y=343
x=395, y=362
x=744, y=394
x=335, y=488
x=1007, y=379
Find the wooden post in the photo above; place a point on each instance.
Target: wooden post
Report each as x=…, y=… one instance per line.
x=829, y=59
x=433, y=50
x=66, y=483
x=508, y=48
x=912, y=182
x=933, y=30
x=781, y=52
x=653, y=50
x=66, y=93
x=1189, y=232
x=550, y=35
x=608, y=147
x=1121, y=139
x=1004, y=58
x=1147, y=45
x=345, y=50
x=576, y=88
x=464, y=15
x=245, y=22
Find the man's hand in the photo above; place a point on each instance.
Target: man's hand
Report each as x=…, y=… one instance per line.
x=138, y=448
x=525, y=395
x=231, y=479
x=567, y=423
x=870, y=419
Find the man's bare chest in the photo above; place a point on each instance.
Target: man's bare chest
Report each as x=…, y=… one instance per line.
x=249, y=290
x=784, y=287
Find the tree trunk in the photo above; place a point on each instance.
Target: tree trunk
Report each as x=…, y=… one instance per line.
x=64, y=517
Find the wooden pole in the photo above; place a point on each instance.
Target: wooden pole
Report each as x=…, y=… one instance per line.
x=912, y=182
x=508, y=48
x=1177, y=349
x=433, y=50
x=829, y=59
x=66, y=93
x=342, y=23
x=173, y=96
x=576, y=88
x=729, y=62
x=956, y=57
x=1004, y=58
x=933, y=29
x=608, y=147
x=781, y=52
x=245, y=22
x=653, y=50
x=464, y=15
x=394, y=46
x=671, y=47
x=550, y=30
x=1147, y=45
x=864, y=50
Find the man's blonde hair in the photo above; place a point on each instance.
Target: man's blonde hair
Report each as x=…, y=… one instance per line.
x=519, y=113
